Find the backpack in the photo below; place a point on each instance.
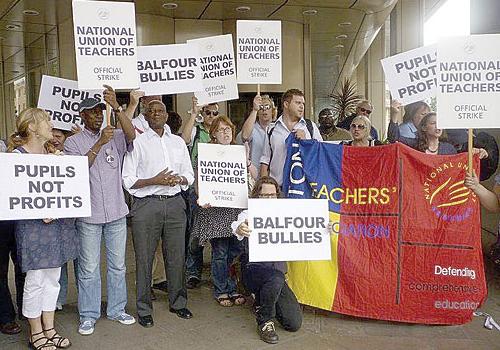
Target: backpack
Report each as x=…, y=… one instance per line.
x=310, y=128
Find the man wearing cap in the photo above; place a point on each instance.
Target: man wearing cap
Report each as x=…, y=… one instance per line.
x=155, y=172
x=364, y=107
x=328, y=129
x=105, y=150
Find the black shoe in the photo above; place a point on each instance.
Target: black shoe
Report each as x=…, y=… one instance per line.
x=162, y=286
x=153, y=295
x=193, y=282
x=267, y=332
x=182, y=313
x=146, y=321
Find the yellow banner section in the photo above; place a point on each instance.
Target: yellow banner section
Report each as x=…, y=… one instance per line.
x=315, y=282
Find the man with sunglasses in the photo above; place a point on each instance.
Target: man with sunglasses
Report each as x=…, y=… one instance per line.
x=196, y=131
x=254, y=128
x=364, y=108
x=105, y=150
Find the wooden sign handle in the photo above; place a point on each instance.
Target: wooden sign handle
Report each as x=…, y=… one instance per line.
x=108, y=114
x=258, y=89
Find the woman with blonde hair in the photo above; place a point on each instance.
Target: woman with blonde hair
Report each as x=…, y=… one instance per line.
x=43, y=246
x=360, y=130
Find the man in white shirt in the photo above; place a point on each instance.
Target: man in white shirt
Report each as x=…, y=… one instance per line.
x=136, y=96
x=155, y=172
x=292, y=120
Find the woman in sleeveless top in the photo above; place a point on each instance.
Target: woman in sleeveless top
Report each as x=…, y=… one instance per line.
x=43, y=246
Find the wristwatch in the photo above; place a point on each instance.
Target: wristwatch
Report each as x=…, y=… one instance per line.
x=118, y=110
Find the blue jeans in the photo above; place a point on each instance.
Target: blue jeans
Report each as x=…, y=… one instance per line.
x=63, y=282
x=89, y=273
x=224, y=251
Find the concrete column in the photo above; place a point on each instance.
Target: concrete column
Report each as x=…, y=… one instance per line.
x=407, y=25
x=375, y=83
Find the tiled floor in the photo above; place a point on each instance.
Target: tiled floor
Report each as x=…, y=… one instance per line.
x=214, y=327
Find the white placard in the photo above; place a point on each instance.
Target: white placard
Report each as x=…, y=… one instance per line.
x=288, y=230
x=222, y=175
x=169, y=69
x=259, y=52
x=105, y=44
x=61, y=99
x=218, y=68
x=468, y=82
x=36, y=186
x=411, y=75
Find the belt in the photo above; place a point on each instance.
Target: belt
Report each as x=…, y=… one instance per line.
x=163, y=197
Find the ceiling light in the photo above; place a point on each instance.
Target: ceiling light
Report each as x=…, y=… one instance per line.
x=242, y=9
x=170, y=5
x=12, y=26
x=344, y=24
x=31, y=12
x=310, y=12
x=338, y=46
x=341, y=36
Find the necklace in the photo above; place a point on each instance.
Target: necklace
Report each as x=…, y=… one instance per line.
x=433, y=150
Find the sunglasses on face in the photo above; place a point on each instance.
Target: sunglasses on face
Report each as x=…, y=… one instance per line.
x=213, y=113
x=364, y=110
x=358, y=126
x=265, y=107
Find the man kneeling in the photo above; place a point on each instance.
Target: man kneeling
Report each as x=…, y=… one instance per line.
x=273, y=298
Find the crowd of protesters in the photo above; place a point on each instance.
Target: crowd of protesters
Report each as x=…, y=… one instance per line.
x=155, y=162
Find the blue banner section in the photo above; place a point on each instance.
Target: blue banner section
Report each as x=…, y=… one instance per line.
x=313, y=169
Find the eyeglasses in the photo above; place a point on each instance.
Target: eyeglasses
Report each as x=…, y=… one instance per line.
x=209, y=112
x=268, y=195
x=265, y=107
x=358, y=126
x=364, y=110
x=225, y=130
x=159, y=111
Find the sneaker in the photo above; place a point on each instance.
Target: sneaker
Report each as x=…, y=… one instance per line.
x=86, y=327
x=123, y=318
x=268, y=333
x=59, y=307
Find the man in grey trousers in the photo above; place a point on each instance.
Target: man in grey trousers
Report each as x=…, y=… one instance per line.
x=155, y=172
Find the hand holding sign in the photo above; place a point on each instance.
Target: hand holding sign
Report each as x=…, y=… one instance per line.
x=243, y=229
x=257, y=102
x=110, y=97
x=299, y=134
x=135, y=95
x=106, y=135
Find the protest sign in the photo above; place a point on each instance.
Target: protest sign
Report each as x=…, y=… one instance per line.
x=36, y=186
x=259, y=52
x=218, y=68
x=105, y=44
x=288, y=230
x=61, y=99
x=409, y=240
x=169, y=69
x=222, y=175
x=468, y=82
x=411, y=75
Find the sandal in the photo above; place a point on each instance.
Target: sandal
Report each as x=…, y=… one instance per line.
x=46, y=344
x=238, y=299
x=224, y=301
x=57, y=339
